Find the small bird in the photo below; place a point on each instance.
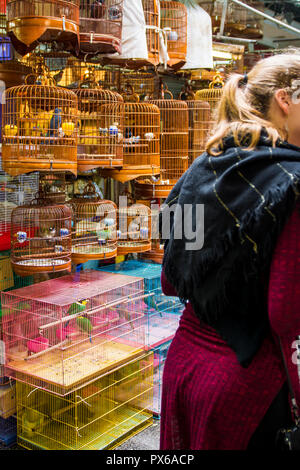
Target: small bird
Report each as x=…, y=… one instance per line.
x=85, y=325
x=98, y=9
x=55, y=122
x=58, y=76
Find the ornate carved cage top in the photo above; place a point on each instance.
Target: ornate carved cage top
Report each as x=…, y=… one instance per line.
x=41, y=237
x=100, y=26
x=39, y=127
x=94, y=233
x=101, y=126
x=34, y=21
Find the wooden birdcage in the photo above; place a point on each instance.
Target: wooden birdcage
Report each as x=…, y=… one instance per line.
x=141, y=140
x=53, y=187
x=3, y=30
x=174, y=155
x=213, y=94
x=152, y=14
x=34, y=21
x=41, y=237
x=143, y=83
x=94, y=230
x=174, y=22
x=100, y=26
x=134, y=229
x=39, y=127
x=199, y=123
x=101, y=126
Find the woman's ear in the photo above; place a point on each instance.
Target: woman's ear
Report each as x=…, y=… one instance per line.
x=283, y=100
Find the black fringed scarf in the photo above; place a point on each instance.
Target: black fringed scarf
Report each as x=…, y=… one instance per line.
x=248, y=197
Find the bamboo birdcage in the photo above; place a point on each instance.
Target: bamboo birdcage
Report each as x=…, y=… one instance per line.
x=41, y=238
x=39, y=127
x=101, y=126
x=134, y=229
x=174, y=23
x=174, y=142
x=53, y=187
x=143, y=83
x=152, y=15
x=213, y=94
x=100, y=26
x=199, y=123
x=3, y=30
x=34, y=21
x=141, y=140
x=94, y=235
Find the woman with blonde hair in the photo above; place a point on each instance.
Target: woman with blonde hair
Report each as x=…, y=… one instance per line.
x=224, y=383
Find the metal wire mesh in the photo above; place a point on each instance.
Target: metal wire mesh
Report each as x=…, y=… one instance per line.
x=60, y=334
x=100, y=26
x=41, y=238
x=134, y=229
x=39, y=128
x=94, y=233
x=174, y=20
x=7, y=400
x=101, y=127
x=30, y=21
x=96, y=416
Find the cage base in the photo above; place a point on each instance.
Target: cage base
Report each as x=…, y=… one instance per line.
x=131, y=172
x=155, y=190
x=99, y=44
x=79, y=258
x=91, y=164
x=16, y=168
x=154, y=255
x=30, y=269
x=126, y=250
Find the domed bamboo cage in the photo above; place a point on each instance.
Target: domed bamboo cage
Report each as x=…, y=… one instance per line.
x=143, y=83
x=53, y=187
x=174, y=155
x=94, y=234
x=174, y=22
x=39, y=127
x=239, y=21
x=134, y=229
x=100, y=26
x=141, y=142
x=41, y=238
x=101, y=126
x=199, y=123
x=213, y=94
x=34, y=21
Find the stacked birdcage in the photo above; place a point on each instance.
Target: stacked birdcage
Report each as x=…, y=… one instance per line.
x=212, y=95
x=41, y=237
x=34, y=21
x=39, y=127
x=141, y=139
x=53, y=187
x=134, y=229
x=174, y=24
x=100, y=26
x=143, y=83
x=94, y=233
x=174, y=142
x=101, y=126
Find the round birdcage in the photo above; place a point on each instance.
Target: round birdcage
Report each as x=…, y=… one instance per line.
x=94, y=235
x=142, y=83
x=53, y=187
x=213, y=94
x=100, y=142
x=141, y=142
x=174, y=23
x=34, y=21
x=174, y=155
x=39, y=127
x=100, y=26
x=41, y=237
x=134, y=229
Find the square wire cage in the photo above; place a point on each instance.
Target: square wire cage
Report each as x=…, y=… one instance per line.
x=100, y=415
x=59, y=334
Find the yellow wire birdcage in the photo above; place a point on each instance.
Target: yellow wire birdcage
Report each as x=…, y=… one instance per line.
x=141, y=140
x=98, y=416
x=34, y=21
x=174, y=155
x=100, y=27
x=174, y=23
x=213, y=94
x=94, y=227
x=39, y=130
x=101, y=126
x=134, y=229
x=41, y=237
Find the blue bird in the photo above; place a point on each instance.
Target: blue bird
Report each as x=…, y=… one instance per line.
x=55, y=123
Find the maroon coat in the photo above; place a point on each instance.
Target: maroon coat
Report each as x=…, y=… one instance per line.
x=209, y=400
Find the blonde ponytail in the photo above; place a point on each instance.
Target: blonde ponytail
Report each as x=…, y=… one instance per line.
x=243, y=110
